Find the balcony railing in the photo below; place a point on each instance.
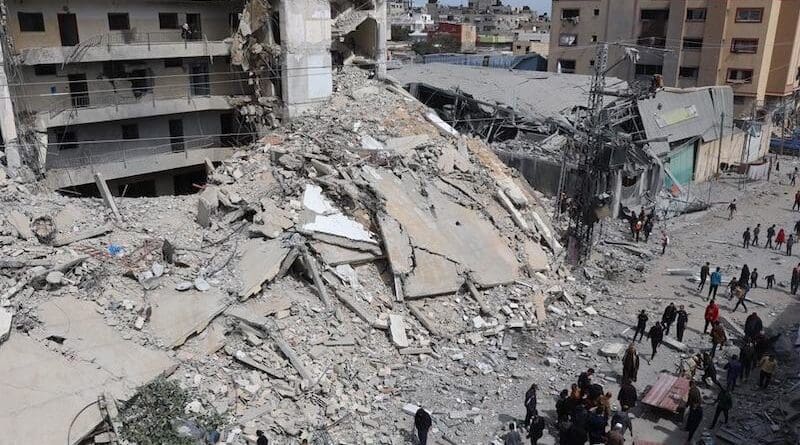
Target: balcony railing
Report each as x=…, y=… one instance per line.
x=127, y=151
x=149, y=38
x=65, y=102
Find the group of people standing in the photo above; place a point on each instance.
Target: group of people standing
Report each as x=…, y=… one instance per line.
x=751, y=238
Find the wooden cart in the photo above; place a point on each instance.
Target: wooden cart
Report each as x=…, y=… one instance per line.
x=669, y=393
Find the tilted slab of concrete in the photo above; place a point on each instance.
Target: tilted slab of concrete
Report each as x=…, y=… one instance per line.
x=179, y=315
x=260, y=262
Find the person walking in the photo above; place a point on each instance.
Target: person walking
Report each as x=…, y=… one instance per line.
x=704, y=272
x=693, y=421
x=422, y=423
x=536, y=429
x=744, y=276
x=789, y=244
x=754, y=277
x=731, y=209
x=637, y=229
x=770, y=235
x=795, y=279
x=630, y=363
x=623, y=418
x=734, y=368
x=664, y=242
x=585, y=381
x=796, y=205
x=641, y=325
x=628, y=396
x=530, y=405
x=709, y=370
x=716, y=280
x=740, y=294
x=648, y=228
x=752, y=326
x=747, y=355
x=718, y=337
x=563, y=407
x=780, y=238
x=656, y=336
x=756, y=232
x=770, y=280
x=261, y=439
x=746, y=238
x=512, y=437
x=711, y=314
x=683, y=319
x=797, y=229
x=668, y=317
x=616, y=435
x=767, y=366
x=724, y=404
x=693, y=398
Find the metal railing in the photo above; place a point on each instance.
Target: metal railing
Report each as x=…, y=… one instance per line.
x=117, y=152
x=63, y=102
x=149, y=38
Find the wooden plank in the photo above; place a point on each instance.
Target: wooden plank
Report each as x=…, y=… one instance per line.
x=669, y=393
x=478, y=297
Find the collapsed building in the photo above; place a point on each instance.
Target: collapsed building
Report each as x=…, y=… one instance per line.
x=145, y=94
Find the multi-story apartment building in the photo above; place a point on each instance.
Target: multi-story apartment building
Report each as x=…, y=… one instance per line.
x=751, y=45
x=147, y=91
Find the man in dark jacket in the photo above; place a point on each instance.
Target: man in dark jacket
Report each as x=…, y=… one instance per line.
x=704, y=272
x=770, y=235
x=422, y=422
x=261, y=438
x=744, y=276
x=656, y=336
x=724, y=404
x=627, y=394
x=683, y=318
x=668, y=317
x=693, y=421
x=597, y=428
x=746, y=238
x=641, y=325
x=530, y=405
x=585, y=380
x=747, y=355
x=734, y=368
x=752, y=326
x=536, y=430
x=563, y=407
x=709, y=369
x=756, y=232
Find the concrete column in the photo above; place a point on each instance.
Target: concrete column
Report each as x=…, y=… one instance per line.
x=8, y=125
x=383, y=35
x=616, y=193
x=306, y=76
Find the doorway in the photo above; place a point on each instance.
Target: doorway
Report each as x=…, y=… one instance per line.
x=193, y=20
x=78, y=90
x=176, y=135
x=199, y=80
x=68, y=29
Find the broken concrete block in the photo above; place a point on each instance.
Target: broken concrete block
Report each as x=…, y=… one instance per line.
x=590, y=310
x=397, y=327
x=556, y=310
x=674, y=344
x=204, y=210
x=680, y=272
x=201, y=284
x=404, y=145
x=612, y=350
x=5, y=324
x=54, y=277
x=370, y=143
x=550, y=361
x=365, y=92
x=479, y=323
x=20, y=223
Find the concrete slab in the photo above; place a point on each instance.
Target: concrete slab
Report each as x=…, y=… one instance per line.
x=179, y=315
x=67, y=217
x=92, y=340
x=442, y=234
x=43, y=391
x=329, y=220
x=333, y=255
x=535, y=257
x=397, y=327
x=260, y=262
x=404, y=145
x=398, y=246
x=20, y=223
x=612, y=350
x=255, y=310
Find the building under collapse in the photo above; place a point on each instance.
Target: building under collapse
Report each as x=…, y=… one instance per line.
x=146, y=93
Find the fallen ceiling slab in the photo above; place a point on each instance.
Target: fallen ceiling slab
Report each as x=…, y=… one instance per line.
x=447, y=232
x=327, y=219
x=179, y=315
x=260, y=262
x=86, y=333
x=333, y=255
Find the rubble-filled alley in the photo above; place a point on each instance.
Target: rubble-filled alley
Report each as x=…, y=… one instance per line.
x=352, y=266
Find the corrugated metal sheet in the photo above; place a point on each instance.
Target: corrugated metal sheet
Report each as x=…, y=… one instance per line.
x=684, y=114
x=529, y=62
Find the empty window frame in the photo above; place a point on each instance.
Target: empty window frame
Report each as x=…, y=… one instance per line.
x=744, y=46
x=740, y=75
x=119, y=21
x=567, y=39
x=30, y=21
x=696, y=14
x=692, y=43
x=570, y=13
x=168, y=20
x=48, y=69
x=688, y=72
x=749, y=15
x=567, y=66
x=130, y=131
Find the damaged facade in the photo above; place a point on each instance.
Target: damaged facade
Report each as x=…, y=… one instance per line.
x=150, y=94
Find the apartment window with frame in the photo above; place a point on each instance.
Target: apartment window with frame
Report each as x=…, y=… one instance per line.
x=739, y=75
x=175, y=62
x=749, y=15
x=696, y=14
x=594, y=38
x=567, y=66
x=692, y=44
x=744, y=46
x=119, y=21
x=31, y=21
x=66, y=140
x=596, y=12
x=130, y=131
x=47, y=69
x=688, y=72
x=567, y=39
x=570, y=14
x=168, y=20
x=648, y=70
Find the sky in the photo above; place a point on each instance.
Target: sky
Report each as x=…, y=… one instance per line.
x=539, y=5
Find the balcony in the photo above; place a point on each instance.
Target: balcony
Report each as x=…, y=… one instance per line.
x=127, y=45
x=90, y=108
x=122, y=160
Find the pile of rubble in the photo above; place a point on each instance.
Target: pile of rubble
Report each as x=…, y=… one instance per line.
x=316, y=283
